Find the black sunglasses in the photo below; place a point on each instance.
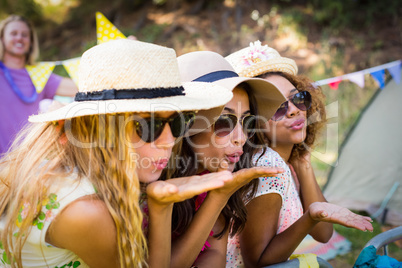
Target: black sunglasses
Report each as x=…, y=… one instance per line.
x=301, y=100
x=226, y=123
x=149, y=129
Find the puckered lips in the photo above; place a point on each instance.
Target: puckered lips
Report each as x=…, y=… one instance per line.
x=297, y=124
x=234, y=157
x=160, y=164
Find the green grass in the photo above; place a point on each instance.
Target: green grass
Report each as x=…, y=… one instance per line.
x=358, y=240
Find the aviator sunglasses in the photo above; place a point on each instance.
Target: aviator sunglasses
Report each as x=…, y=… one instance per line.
x=226, y=123
x=301, y=100
x=149, y=129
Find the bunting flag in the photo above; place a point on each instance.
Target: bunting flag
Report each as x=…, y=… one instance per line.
x=40, y=73
x=334, y=85
x=378, y=73
x=105, y=30
x=71, y=66
x=357, y=78
x=395, y=72
x=379, y=77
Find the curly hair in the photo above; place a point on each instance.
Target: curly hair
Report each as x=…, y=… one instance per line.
x=316, y=115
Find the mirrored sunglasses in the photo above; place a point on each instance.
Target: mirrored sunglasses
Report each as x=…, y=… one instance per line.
x=301, y=100
x=226, y=123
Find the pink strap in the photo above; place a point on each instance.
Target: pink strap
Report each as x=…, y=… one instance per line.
x=294, y=175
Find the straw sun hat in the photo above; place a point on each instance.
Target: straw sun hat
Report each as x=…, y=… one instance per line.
x=256, y=60
x=207, y=66
x=132, y=76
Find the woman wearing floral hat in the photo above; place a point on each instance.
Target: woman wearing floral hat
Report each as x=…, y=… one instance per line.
x=288, y=207
x=201, y=225
x=74, y=187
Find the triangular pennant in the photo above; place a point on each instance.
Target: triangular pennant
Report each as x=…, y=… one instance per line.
x=379, y=77
x=40, y=73
x=395, y=72
x=334, y=85
x=357, y=78
x=105, y=30
x=71, y=66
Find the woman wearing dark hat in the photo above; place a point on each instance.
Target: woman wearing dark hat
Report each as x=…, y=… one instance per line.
x=74, y=187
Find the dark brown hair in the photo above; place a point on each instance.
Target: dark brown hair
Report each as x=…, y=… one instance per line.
x=316, y=115
x=234, y=213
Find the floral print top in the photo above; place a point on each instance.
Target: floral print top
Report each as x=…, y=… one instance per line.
x=286, y=185
x=36, y=253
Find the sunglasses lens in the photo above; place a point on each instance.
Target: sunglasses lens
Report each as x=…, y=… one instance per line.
x=249, y=123
x=225, y=124
x=302, y=100
x=181, y=124
x=280, y=113
x=149, y=129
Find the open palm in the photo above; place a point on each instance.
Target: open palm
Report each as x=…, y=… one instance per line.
x=322, y=211
x=244, y=176
x=180, y=189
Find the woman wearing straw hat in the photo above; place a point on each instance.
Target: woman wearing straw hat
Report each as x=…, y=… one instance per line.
x=75, y=184
x=201, y=225
x=279, y=216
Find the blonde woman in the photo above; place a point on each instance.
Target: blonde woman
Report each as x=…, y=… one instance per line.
x=70, y=193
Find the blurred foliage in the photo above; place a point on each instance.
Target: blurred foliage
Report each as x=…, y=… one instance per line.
x=349, y=13
x=335, y=14
x=354, y=13
x=150, y=33
x=27, y=8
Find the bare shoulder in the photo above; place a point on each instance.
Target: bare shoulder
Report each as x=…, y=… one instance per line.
x=265, y=204
x=85, y=226
x=88, y=211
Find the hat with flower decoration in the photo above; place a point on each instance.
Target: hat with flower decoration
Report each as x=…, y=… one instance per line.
x=256, y=59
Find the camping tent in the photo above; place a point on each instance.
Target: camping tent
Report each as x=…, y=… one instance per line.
x=369, y=167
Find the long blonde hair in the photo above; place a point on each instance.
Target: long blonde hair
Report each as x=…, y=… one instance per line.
x=33, y=52
x=41, y=153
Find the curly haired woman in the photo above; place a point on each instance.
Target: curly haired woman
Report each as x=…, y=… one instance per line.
x=288, y=207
